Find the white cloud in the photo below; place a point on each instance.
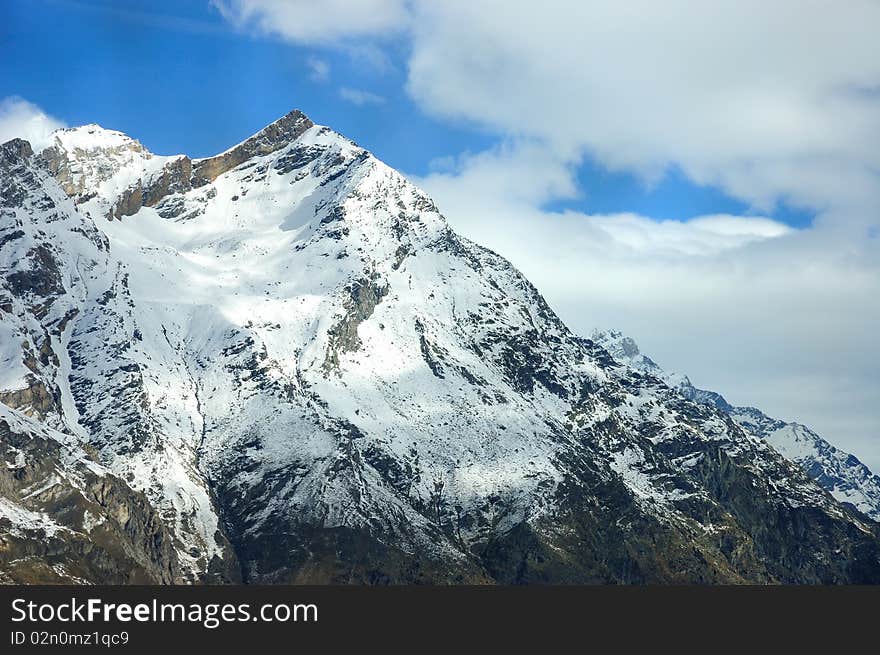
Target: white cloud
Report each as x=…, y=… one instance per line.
x=768, y=100
x=704, y=235
x=319, y=69
x=22, y=119
x=314, y=22
x=516, y=169
x=359, y=97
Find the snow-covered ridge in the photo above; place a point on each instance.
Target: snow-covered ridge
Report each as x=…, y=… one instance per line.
x=97, y=160
x=311, y=376
x=841, y=473
x=123, y=176
x=94, y=138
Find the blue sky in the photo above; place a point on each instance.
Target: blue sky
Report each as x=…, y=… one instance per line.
x=179, y=78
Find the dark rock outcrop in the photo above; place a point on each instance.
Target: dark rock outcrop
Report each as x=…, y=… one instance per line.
x=271, y=138
x=72, y=522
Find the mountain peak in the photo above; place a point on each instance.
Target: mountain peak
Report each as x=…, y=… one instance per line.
x=285, y=129
x=271, y=138
x=92, y=137
x=841, y=474
x=86, y=158
x=274, y=136
x=92, y=161
x=617, y=343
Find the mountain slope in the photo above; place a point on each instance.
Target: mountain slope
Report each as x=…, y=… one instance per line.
x=841, y=474
x=313, y=379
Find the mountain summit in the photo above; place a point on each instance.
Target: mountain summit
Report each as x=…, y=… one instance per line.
x=279, y=364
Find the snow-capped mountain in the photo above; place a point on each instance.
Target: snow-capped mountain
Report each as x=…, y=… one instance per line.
x=287, y=368
x=840, y=473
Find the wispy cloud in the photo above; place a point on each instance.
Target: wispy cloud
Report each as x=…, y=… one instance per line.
x=148, y=18
x=22, y=119
x=319, y=69
x=359, y=97
x=308, y=21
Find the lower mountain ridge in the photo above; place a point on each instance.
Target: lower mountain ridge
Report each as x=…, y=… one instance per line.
x=280, y=365
x=840, y=473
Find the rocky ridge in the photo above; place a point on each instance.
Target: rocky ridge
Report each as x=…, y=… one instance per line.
x=838, y=472
x=286, y=352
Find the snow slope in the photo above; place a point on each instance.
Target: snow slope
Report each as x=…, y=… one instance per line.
x=313, y=379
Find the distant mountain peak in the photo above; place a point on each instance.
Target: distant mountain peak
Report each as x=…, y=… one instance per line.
x=839, y=472
x=616, y=342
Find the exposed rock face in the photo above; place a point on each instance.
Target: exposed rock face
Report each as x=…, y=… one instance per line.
x=14, y=150
x=65, y=519
x=33, y=400
x=363, y=298
x=270, y=139
x=838, y=472
x=176, y=175
x=286, y=353
x=48, y=250
x=80, y=162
